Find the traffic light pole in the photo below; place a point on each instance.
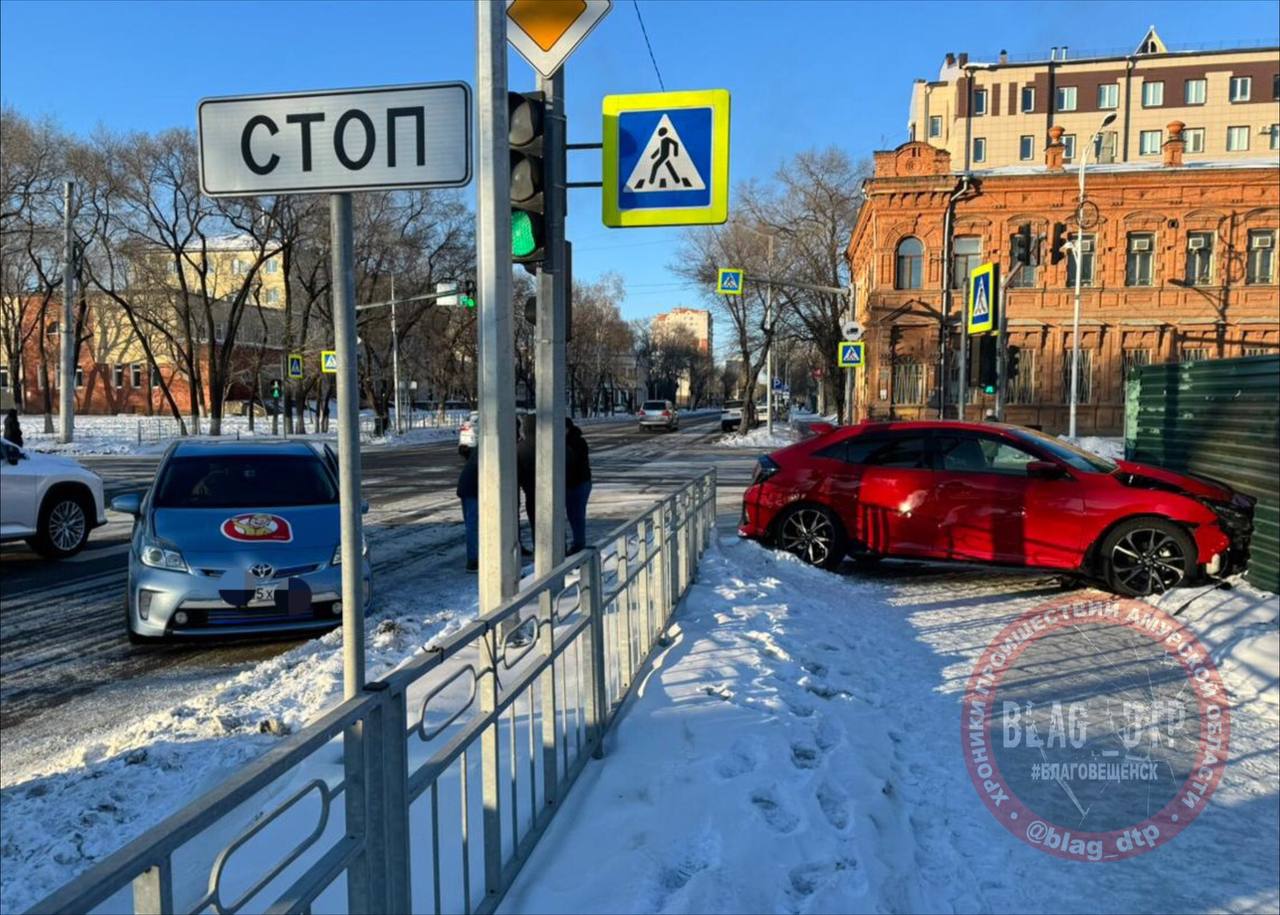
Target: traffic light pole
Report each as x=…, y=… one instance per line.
x=67, y=368
x=549, y=356
x=1002, y=341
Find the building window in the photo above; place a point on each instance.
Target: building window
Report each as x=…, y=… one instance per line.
x=1022, y=388
x=1241, y=88
x=935, y=125
x=272, y=265
x=51, y=329
x=1275, y=86
x=910, y=264
x=1066, y=98
x=1274, y=130
x=979, y=102
x=1193, y=354
x=219, y=331
x=173, y=268
x=1139, y=264
x=966, y=254
x=979, y=149
x=1069, y=147
x=273, y=296
x=1199, y=258
x=79, y=377
x=4, y=377
x=1026, y=148
x=1028, y=99
x=1084, y=381
x=908, y=382
x=155, y=376
x=117, y=377
x=1104, y=146
x=1131, y=359
x=135, y=373
x=237, y=266
x=1086, y=243
x=1193, y=137
x=1257, y=351
x=1152, y=95
x=1237, y=139
x=1149, y=143
x=1024, y=278
x=1260, y=269
x=1108, y=96
x=1194, y=91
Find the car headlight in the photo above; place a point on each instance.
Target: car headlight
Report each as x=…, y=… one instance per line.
x=337, y=551
x=161, y=556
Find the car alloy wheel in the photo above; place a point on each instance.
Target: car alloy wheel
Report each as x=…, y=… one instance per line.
x=66, y=525
x=1147, y=560
x=809, y=534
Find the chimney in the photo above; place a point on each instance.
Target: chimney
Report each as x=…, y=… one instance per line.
x=1004, y=56
x=951, y=59
x=1174, y=145
x=1053, y=53
x=964, y=58
x=1063, y=55
x=1055, y=151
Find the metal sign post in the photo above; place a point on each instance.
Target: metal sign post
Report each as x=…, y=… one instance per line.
x=395, y=357
x=67, y=371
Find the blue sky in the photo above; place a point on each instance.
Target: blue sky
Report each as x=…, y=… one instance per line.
x=801, y=74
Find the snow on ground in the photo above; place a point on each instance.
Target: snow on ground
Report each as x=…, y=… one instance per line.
x=798, y=749
x=760, y=439
x=1107, y=447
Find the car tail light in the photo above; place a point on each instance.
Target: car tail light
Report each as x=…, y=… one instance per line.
x=640, y=413
x=666, y=412
x=765, y=468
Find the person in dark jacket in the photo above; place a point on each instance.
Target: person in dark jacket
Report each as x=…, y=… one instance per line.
x=12, y=431
x=577, y=483
x=527, y=474
x=469, y=492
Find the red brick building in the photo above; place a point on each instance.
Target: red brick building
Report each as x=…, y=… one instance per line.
x=1180, y=263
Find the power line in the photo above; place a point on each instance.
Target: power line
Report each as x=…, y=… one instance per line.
x=645, y=33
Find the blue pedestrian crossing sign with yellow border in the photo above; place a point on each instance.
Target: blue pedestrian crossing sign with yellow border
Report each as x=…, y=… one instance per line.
x=980, y=312
x=329, y=361
x=729, y=281
x=295, y=365
x=666, y=159
x=851, y=354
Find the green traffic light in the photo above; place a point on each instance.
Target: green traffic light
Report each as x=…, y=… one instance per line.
x=989, y=389
x=522, y=241
x=468, y=302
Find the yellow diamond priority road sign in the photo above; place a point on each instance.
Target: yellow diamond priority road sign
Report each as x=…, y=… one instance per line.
x=546, y=32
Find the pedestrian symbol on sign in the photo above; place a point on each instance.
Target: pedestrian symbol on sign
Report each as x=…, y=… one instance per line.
x=981, y=316
x=851, y=354
x=664, y=165
x=729, y=281
x=329, y=361
x=295, y=365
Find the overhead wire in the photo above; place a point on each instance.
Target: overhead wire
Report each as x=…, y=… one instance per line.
x=647, y=44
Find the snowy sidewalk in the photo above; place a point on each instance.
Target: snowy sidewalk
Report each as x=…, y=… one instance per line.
x=798, y=748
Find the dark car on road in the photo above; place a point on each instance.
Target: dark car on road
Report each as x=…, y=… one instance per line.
x=993, y=493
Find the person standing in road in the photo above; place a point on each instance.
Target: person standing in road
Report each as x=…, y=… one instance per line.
x=469, y=492
x=12, y=431
x=577, y=483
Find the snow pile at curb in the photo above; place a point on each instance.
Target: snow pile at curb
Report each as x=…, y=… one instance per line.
x=1109, y=448
x=760, y=439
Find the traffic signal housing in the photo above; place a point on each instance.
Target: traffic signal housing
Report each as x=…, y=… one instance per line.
x=526, y=125
x=1059, y=239
x=1021, y=245
x=987, y=364
x=1012, y=356
x=277, y=389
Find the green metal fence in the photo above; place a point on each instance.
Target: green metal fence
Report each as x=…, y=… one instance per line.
x=1219, y=418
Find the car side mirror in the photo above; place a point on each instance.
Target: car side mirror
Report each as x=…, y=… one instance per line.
x=1045, y=470
x=129, y=503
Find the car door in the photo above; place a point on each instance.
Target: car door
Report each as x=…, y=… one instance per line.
x=17, y=492
x=881, y=487
x=989, y=509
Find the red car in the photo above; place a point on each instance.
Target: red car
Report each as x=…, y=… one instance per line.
x=984, y=492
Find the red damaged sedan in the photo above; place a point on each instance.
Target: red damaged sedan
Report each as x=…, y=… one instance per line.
x=984, y=492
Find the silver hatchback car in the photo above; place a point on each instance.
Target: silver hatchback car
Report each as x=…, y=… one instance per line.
x=236, y=539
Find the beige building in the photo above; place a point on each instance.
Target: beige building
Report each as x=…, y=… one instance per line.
x=694, y=320
x=991, y=115
x=230, y=258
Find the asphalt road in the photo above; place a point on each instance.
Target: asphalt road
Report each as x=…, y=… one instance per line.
x=62, y=636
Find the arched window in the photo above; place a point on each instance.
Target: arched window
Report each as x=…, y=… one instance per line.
x=910, y=264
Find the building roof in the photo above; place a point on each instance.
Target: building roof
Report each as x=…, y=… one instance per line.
x=1123, y=167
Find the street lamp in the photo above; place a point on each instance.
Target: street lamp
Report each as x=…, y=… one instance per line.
x=1075, y=253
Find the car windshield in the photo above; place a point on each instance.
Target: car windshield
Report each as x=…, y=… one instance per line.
x=655, y=404
x=1076, y=458
x=244, y=481
x=733, y=405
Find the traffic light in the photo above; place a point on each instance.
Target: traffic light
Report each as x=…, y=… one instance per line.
x=987, y=364
x=528, y=177
x=1059, y=239
x=1011, y=357
x=468, y=297
x=276, y=389
x=1020, y=246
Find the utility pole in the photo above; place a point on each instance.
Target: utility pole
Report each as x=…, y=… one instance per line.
x=549, y=356
x=498, y=559
x=768, y=311
x=67, y=374
x=395, y=356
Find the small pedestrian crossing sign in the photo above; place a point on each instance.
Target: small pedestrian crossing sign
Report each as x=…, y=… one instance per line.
x=980, y=317
x=729, y=281
x=329, y=361
x=666, y=159
x=295, y=365
x=851, y=354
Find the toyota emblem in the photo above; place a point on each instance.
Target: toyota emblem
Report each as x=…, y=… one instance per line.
x=262, y=571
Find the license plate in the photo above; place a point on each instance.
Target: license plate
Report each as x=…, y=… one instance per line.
x=264, y=595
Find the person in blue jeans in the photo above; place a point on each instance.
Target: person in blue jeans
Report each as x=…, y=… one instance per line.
x=469, y=492
x=577, y=483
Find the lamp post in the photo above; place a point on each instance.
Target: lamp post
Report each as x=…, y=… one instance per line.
x=1075, y=253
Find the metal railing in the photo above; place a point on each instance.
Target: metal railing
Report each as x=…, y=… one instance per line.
x=449, y=769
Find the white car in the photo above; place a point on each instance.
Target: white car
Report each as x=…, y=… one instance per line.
x=730, y=415
x=49, y=501
x=467, y=433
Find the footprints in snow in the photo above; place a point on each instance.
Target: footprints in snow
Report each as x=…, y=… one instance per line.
x=777, y=815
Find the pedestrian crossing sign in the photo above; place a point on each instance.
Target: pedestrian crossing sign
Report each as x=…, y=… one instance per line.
x=329, y=361
x=851, y=354
x=729, y=281
x=295, y=365
x=666, y=159
x=980, y=315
